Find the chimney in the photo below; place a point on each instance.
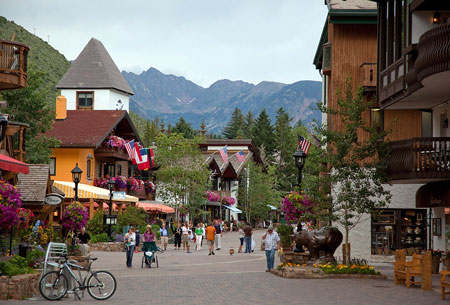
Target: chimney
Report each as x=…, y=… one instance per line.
x=61, y=107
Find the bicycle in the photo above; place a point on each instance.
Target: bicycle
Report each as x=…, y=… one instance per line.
x=53, y=285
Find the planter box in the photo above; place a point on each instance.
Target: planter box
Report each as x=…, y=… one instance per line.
x=108, y=247
x=295, y=258
x=19, y=287
x=316, y=273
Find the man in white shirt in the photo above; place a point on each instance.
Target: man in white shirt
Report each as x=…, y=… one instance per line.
x=272, y=242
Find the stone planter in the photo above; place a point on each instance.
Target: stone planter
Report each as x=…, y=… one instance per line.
x=316, y=273
x=19, y=287
x=295, y=258
x=446, y=263
x=436, y=261
x=108, y=247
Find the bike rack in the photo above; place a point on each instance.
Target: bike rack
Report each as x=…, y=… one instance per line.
x=54, y=252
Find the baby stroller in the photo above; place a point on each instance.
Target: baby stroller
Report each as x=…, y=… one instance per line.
x=149, y=248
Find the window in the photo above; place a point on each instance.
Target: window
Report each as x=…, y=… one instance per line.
x=89, y=168
x=85, y=99
x=377, y=119
x=119, y=170
x=52, y=166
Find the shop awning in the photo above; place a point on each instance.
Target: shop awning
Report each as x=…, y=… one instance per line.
x=272, y=207
x=233, y=209
x=155, y=206
x=13, y=165
x=88, y=191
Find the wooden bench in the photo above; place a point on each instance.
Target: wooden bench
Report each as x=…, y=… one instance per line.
x=408, y=272
x=445, y=283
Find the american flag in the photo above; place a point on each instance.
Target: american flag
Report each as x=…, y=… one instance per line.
x=223, y=154
x=303, y=144
x=240, y=156
x=129, y=146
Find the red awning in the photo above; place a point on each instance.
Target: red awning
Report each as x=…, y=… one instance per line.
x=154, y=207
x=13, y=165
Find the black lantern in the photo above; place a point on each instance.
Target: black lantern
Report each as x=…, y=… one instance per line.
x=109, y=218
x=76, y=177
x=300, y=158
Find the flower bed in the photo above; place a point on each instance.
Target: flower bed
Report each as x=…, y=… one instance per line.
x=297, y=271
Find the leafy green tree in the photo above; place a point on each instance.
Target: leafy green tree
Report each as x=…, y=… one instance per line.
x=357, y=162
x=183, y=175
x=131, y=216
x=235, y=127
x=34, y=106
x=285, y=145
x=256, y=191
x=184, y=128
x=263, y=135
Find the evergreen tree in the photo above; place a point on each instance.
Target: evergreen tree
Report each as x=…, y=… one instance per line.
x=263, y=135
x=31, y=105
x=249, y=121
x=184, y=128
x=285, y=145
x=235, y=127
x=151, y=131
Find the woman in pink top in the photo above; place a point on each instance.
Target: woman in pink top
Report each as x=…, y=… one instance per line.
x=148, y=234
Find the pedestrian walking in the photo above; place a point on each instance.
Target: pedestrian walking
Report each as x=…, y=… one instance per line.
x=241, y=238
x=272, y=242
x=203, y=234
x=199, y=236
x=138, y=240
x=177, y=236
x=149, y=235
x=130, y=240
x=185, y=237
x=210, y=237
x=218, y=237
x=248, y=238
x=164, y=236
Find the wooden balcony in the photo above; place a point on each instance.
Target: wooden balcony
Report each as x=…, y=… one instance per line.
x=111, y=153
x=420, y=160
x=13, y=65
x=391, y=83
x=368, y=76
x=433, y=52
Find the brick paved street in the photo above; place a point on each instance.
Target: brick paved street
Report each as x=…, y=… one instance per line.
x=239, y=279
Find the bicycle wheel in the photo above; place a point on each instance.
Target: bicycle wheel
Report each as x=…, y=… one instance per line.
x=101, y=285
x=53, y=286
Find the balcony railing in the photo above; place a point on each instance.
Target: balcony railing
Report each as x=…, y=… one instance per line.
x=368, y=75
x=111, y=152
x=433, y=52
x=13, y=65
x=421, y=159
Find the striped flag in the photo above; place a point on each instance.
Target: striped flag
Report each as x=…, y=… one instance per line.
x=240, y=156
x=129, y=146
x=303, y=144
x=137, y=158
x=143, y=164
x=223, y=154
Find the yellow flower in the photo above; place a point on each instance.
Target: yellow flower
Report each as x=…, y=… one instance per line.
x=298, y=265
x=304, y=265
x=371, y=268
x=315, y=265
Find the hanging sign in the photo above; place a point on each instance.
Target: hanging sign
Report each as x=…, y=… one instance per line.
x=53, y=199
x=118, y=195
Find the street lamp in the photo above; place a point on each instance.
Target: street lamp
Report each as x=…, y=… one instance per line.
x=300, y=158
x=111, y=185
x=76, y=177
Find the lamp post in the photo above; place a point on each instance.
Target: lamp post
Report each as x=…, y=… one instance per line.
x=76, y=177
x=111, y=184
x=300, y=158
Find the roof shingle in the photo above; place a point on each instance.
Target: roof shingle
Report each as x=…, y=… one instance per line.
x=94, y=69
x=33, y=186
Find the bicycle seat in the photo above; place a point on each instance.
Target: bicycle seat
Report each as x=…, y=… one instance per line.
x=92, y=258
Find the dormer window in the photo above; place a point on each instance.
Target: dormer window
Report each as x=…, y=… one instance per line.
x=85, y=99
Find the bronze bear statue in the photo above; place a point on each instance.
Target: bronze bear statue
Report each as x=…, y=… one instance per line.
x=326, y=239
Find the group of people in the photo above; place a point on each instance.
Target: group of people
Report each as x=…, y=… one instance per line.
x=186, y=234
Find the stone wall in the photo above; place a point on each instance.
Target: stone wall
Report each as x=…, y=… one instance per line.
x=19, y=287
x=109, y=247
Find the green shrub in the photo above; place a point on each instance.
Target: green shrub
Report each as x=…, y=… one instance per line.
x=100, y=238
x=16, y=265
x=95, y=225
x=285, y=232
x=35, y=258
x=155, y=229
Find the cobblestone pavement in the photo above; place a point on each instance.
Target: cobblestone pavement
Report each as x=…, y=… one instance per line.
x=197, y=278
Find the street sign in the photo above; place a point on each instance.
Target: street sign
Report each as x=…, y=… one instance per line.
x=118, y=195
x=53, y=199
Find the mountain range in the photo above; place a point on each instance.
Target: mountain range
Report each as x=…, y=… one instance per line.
x=168, y=97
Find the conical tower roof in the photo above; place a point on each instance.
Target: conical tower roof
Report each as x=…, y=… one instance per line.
x=94, y=69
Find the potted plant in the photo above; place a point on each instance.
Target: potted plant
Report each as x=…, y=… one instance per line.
x=436, y=260
x=285, y=232
x=446, y=260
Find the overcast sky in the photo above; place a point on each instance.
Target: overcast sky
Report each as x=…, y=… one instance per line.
x=202, y=40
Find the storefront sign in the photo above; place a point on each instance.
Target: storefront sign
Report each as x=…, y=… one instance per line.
x=118, y=195
x=53, y=199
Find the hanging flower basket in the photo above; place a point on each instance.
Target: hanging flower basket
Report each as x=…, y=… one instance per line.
x=9, y=203
x=74, y=216
x=24, y=217
x=121, y=182
x=298, y=207
x=149, y=186
x=228, y=201
x=212, y=196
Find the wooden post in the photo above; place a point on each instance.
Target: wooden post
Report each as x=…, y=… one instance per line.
x=426, y=271
x=50, y=216
x=119, y=208
x=91, y=208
